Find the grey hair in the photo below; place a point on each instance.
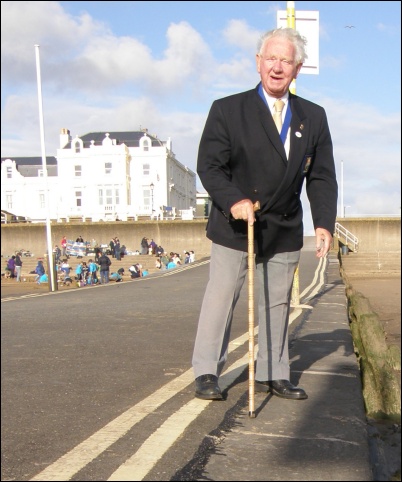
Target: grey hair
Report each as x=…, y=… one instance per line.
x=290, y=34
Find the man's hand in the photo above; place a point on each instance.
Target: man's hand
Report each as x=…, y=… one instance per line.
x=244, y=210
x=323, y=240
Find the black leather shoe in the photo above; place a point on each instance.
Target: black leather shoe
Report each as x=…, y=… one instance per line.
x=281, y=388
x=207, y=388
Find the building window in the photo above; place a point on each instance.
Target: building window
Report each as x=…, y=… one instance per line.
x=147, y=198
x=78, y=171
x=42, y=201
x=145, y=169
x=77, y=147
x=109, y=196
x=78, y=199
x=9, y=172
x=108, y=168
x=145, y=145
x=9, y=201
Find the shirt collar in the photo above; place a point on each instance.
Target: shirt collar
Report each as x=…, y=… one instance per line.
x=271, y=100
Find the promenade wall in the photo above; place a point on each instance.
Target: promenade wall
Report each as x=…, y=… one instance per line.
x=375, y=234
x=177, y=235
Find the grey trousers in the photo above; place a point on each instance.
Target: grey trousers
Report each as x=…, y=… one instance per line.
x=228, y=270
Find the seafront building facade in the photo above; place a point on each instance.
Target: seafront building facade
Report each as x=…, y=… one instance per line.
x=101, y=176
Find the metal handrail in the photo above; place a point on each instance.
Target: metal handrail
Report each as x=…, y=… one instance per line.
x=342, y=232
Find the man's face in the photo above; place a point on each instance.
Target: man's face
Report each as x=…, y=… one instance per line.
x=277, y=66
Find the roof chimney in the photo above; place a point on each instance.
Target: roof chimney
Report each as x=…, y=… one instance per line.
x=64, y=137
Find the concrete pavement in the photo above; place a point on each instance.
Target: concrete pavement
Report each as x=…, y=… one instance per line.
x=327, y=436
x=322, y=438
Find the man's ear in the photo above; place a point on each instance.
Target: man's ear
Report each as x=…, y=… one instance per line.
x=298, y=68
x=258, y=61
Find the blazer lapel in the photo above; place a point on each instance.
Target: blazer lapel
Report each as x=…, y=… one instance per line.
x=296, y=149
x=269, y=126
x=298, y=137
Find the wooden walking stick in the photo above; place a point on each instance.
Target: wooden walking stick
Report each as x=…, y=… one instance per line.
x=251, y=269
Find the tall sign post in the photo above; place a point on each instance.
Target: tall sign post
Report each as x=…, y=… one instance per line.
x=291, y=23
x=307, y=25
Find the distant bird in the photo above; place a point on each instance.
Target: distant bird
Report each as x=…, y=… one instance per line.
x=350, y=26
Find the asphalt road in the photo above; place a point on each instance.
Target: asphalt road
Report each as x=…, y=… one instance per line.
x=94, y=376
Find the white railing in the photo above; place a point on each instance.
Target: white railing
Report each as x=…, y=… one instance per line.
x=350, y=239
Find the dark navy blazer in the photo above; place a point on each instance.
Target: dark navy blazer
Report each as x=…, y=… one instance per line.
x=241, y=156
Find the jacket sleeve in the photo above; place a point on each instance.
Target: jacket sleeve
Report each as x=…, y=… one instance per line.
x=321, y=184
x=214, y=157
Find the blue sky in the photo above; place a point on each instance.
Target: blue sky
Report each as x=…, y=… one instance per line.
x=110, y=66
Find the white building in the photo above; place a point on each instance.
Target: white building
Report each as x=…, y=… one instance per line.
x=100, y=176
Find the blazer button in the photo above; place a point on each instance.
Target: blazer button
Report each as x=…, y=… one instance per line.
x=255, y=191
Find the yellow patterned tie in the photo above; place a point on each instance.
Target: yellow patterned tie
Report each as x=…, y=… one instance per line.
x=278, y=114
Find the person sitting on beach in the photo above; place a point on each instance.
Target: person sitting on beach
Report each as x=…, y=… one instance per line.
x=39, y=270
x=135, y=271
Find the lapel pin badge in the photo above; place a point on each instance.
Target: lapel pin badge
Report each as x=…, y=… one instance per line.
x=298, y=134
x=301, y=127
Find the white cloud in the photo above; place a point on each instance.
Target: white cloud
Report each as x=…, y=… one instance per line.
x=239, y=34
x=331, y=62
x=391, y=30
x=368, y=143
x=95, y=80
x=25, y=24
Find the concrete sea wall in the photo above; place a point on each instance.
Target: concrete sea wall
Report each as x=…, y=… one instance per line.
x=375, y=234
x=380, y=234
x=177, y=235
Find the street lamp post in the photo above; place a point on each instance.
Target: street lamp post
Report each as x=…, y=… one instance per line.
x=342, y=205
x=152, y=199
